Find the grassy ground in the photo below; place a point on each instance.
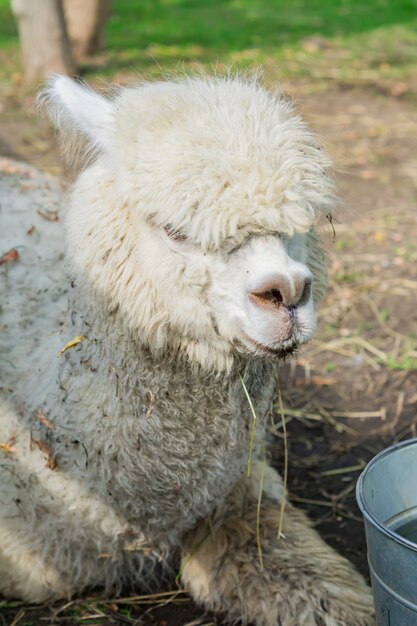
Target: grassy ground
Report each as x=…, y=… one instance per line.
x=319, y=39
x=352, y=67
x=308, y=45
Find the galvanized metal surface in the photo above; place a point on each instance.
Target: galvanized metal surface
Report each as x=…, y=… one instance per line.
x=386, y=488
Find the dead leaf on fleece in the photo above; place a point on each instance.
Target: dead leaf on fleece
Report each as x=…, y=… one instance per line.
x=9, y=257
x=71, y=344
x=51, y=216
x=46, y=449
x=44, y=420
x=9, y=445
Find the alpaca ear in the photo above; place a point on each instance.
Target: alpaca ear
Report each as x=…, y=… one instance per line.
x=79, y=113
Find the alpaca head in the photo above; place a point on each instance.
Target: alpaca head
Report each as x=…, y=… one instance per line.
x=195, y=217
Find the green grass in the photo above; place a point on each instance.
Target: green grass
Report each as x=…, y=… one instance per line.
x=319, y=39
x=312, y=38
x=222, y=26
x=8, y=31
x=403, y=363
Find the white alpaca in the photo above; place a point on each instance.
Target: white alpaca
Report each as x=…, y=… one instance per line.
x=192, y=260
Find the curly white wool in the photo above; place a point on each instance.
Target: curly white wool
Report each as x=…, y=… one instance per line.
x=199, y=193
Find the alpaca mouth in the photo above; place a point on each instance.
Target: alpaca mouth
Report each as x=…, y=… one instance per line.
x=281, y=350
x=284, y=339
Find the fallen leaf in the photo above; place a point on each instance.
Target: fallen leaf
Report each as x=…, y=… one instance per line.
x=9, y=257
x=51, y=216
x=315, y=380
x=71, y=344
x=46, y=449
x=105, y=555
x=321, y=380
x=9, y=445
x=44, y=420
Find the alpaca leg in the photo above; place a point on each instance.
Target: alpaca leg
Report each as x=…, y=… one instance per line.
x=301, y=582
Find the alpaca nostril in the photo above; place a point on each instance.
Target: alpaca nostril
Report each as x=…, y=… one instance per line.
x=306, y=292
x=274, y=296
x=270, y=297
x=282, y=292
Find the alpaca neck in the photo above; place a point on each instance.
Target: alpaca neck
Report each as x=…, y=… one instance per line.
x=108, y=340
x=122, y=414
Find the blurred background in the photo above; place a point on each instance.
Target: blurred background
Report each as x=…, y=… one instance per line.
x=308, y=46
x=351, y=68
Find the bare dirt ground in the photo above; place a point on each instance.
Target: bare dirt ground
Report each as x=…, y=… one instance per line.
x=353, y=390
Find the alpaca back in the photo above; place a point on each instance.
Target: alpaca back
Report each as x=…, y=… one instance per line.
x=33, y=288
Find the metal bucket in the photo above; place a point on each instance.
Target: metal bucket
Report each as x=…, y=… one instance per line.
x=387, y=496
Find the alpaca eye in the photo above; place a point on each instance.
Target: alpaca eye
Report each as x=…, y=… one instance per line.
x=174, y=234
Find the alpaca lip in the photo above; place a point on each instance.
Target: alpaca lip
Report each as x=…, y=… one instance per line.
x=286, y=348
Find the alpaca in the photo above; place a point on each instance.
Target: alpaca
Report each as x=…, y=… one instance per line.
x=192, y=265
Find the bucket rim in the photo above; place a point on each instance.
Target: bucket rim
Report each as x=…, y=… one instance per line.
x=364, y=506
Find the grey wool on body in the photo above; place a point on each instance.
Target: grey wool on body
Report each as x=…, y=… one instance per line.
x=191, y=265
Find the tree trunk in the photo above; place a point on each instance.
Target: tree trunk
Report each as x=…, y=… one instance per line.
x=85, y=22
x=43, y=38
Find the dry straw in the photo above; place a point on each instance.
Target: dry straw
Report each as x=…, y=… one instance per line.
x=285, y=479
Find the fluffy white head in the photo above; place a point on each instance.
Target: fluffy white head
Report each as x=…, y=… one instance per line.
x=196, y=218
